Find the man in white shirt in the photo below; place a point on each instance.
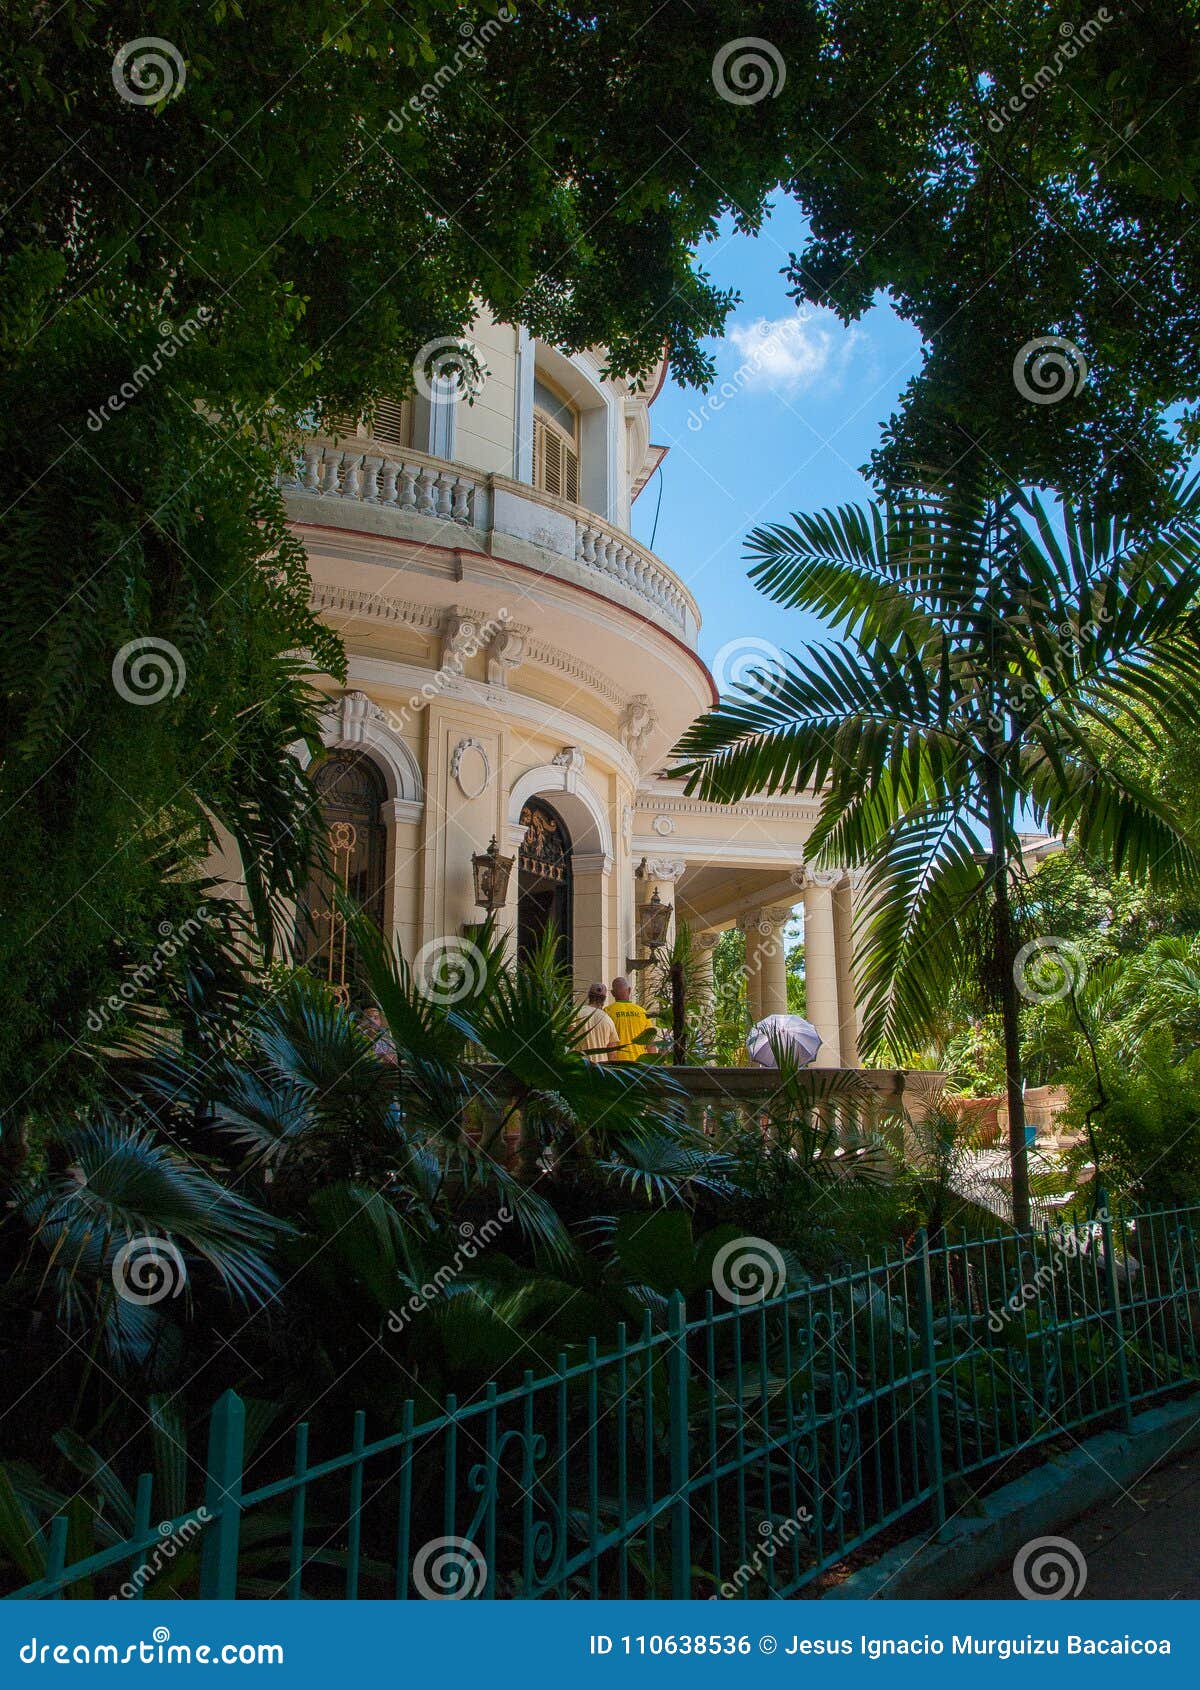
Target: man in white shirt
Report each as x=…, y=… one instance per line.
x=598, y=1031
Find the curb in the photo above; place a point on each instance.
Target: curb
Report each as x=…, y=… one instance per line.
x=972, y=1546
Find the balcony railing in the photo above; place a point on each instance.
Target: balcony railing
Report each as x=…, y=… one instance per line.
x=416, y=486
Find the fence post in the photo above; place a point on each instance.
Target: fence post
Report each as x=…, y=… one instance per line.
x=1114, y=1307
x=677, y=1398
x=223, y=1498
x=934, y=1413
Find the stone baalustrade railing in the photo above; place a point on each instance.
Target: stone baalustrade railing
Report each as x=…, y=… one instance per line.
x=415, y=486
x=409, y=482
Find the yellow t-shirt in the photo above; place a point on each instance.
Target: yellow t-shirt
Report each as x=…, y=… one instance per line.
x=630, y=1019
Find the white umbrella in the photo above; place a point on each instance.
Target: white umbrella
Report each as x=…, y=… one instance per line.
x=791, y=1033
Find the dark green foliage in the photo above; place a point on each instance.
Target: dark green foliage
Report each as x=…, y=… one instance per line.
x=992, y=227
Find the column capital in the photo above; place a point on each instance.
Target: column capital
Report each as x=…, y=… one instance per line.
x=667, y=869
x=707, y=941
x=776, y=916
x=824, y=878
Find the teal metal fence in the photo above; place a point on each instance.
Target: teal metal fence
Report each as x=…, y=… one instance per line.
x=743, y=1451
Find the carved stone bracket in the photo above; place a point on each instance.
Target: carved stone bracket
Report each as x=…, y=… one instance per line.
x=354, y=713
x=506, y=652
x=637, y=724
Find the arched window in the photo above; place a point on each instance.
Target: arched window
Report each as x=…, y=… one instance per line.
x=350, y=791
x=555, y=442
x=544, y=880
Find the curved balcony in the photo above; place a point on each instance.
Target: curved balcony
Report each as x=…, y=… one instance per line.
x=410, y=495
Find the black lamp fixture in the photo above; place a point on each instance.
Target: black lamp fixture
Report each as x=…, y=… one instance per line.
x=492, y=872
x=653, y=920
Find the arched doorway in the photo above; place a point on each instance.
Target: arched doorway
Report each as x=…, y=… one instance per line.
x=544, y=881
x=350, y=792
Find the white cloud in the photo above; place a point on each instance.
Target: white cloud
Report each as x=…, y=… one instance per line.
x=793, y=353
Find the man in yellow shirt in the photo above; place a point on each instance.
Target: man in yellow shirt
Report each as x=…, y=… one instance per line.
x=631, y=1021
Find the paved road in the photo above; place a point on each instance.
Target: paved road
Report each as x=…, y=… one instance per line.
x=1145, y=1544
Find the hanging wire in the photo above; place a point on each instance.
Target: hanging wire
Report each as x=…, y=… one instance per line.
x=658, y=506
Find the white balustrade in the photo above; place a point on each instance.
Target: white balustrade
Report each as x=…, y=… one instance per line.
x=618, y=559
x=445, y=492
x=391, y=482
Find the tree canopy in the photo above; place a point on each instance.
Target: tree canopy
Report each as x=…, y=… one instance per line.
x=1009, y=173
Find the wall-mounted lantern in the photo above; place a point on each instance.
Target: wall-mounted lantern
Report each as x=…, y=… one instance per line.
x=492, y=872
x=653, y=920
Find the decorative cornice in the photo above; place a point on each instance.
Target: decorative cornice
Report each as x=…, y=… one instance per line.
x=379, y=606
x=430, y=618
x=767, y=810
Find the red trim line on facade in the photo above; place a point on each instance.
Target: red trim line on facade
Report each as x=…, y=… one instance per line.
x=507, y=563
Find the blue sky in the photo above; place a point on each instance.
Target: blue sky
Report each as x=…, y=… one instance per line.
x=806, y=412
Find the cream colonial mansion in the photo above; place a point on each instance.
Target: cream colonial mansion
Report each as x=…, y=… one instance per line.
x=519, y=669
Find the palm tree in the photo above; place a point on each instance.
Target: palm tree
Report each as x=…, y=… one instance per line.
x=985, y=643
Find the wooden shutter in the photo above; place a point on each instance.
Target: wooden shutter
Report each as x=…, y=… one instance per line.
x=555, y=463
x=391, y=424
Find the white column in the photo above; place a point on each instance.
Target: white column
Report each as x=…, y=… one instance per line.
x=592, y=962
x=772, y=952
x=658, y=874
x=749, y=926
x=820, y=964
x=847, y=991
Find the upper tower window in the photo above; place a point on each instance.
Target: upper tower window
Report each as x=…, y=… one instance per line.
x=555, y=442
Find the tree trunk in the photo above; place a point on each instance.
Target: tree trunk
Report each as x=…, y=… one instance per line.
x=1005, y=958
x=678, y=1015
